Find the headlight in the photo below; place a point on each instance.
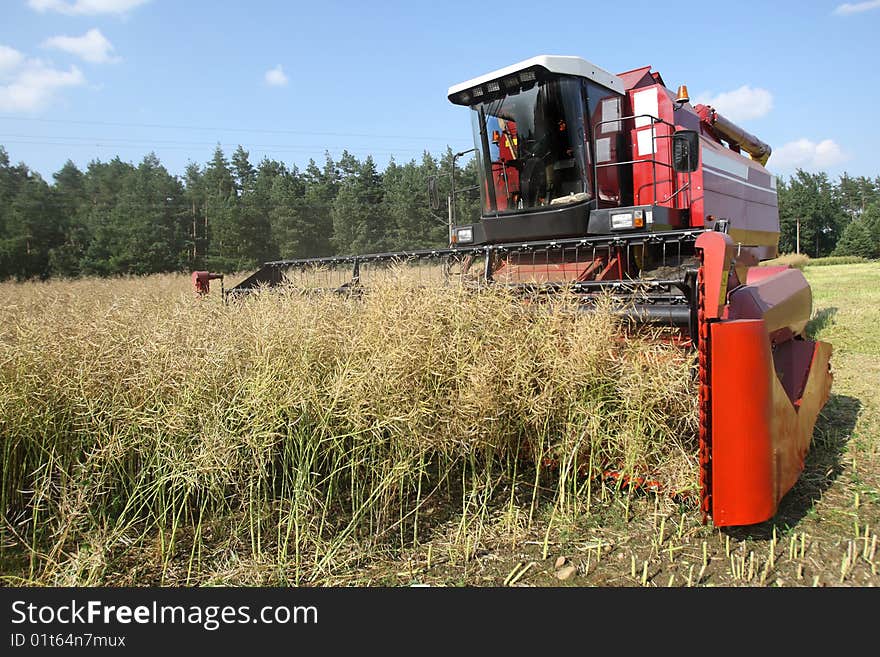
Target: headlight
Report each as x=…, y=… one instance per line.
x=622, y=220
x=635, y=219
x=464, y=235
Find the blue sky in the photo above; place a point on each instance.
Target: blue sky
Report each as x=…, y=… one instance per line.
x=90, y=79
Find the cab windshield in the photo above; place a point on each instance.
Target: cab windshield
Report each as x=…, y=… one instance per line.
x=532, y=148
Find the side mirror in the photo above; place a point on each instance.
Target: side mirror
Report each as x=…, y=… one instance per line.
x=685, y=151
x=433, y=196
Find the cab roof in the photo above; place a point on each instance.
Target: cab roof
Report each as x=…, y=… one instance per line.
x=561, y=64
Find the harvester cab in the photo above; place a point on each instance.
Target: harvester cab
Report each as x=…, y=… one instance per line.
x=599, y=183
x=582, y=152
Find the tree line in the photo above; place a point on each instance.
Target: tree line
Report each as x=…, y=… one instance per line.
x=230, y=214
x=226, y=215
x=820, y=217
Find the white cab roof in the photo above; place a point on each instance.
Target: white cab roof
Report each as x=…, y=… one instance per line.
x=554, y=64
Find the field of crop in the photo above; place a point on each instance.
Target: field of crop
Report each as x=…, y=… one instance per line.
x=427, y=436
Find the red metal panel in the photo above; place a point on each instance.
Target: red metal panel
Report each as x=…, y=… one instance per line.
x=718, y=250
x=756, y=274
x=697, y=202
x=636, y=77
x=784, y=301
x=741, y=190
x=761, y=430
x=653, y=182
x=743, y=476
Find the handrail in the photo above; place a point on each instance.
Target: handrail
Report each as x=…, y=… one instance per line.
x=653, y=161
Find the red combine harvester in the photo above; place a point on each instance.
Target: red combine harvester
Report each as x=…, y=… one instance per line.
x=599, y=183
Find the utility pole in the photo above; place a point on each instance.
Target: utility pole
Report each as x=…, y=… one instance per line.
x=797, y=243
x=205, y=250
x=195, y=253
x=449, y=208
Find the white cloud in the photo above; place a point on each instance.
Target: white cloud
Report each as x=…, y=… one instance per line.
x=807, y=155
x=86, y=7
x=10, y=58
x=91, y=46
x=848, y=8
x=33, y=85
x=276, y=77
x=740, y=104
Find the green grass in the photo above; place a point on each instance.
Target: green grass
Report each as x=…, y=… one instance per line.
x=846, y=299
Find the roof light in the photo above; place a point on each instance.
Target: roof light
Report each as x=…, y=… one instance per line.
x=493, y=86
x=526, y=76
x=511, y=82
x=682, y=97
x=478, y=92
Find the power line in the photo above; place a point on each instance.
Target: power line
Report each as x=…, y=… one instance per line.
x=214, y=129
x=280, y=151
x=123, y=141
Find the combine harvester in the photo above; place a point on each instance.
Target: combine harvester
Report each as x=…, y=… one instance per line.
x=601, y=183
